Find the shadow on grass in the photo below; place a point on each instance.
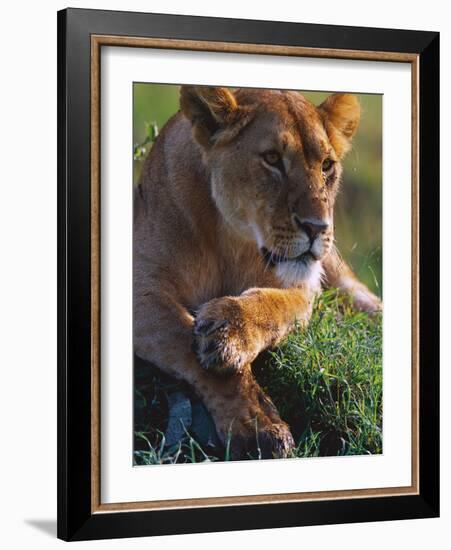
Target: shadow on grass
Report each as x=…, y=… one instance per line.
x=325, y=380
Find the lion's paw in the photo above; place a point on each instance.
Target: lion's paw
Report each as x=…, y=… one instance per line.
x=218, y=335
x=272, y=440
x=366, y=301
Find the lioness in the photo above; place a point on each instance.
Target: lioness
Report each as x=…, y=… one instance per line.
x=233, y=238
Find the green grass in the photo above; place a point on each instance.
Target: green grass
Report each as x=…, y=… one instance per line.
x=325, y=380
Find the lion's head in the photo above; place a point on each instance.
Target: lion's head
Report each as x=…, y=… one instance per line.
x=274, y=164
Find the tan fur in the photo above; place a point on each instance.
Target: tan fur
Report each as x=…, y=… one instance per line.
x=225, y=261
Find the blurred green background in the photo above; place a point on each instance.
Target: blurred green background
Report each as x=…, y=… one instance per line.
x=358, y=211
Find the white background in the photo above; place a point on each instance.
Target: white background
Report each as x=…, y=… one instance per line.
x=28, y=274
x=120, y=482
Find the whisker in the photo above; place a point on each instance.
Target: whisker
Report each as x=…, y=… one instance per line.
x=268, y=262
x=287, y=246
x=334, y=250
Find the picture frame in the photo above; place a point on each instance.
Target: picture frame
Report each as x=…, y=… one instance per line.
x=81, y=36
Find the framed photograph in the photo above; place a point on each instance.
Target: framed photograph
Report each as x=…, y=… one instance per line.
x=248, y=274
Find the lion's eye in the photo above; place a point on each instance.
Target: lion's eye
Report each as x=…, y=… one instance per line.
x=327, y=167
x=272, y=158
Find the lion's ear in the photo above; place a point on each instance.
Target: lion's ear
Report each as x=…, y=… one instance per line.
x=341, y=117
x=209, y=109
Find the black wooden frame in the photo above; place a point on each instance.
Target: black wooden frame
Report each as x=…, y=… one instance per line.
x=75, y=520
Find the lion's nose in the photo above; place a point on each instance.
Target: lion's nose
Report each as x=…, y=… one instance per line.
x=312, y=227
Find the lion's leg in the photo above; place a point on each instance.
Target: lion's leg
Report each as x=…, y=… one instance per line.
x=163, y=335
x=231, y=331
x=339, y=275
